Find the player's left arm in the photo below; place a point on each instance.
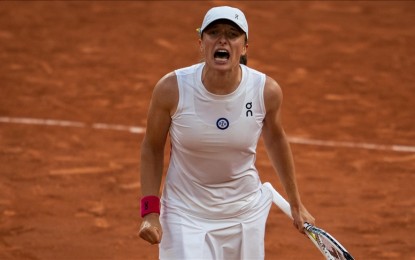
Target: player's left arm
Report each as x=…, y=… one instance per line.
x=280, y=154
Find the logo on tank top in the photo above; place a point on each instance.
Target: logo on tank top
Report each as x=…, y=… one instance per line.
x=222, y=123
x=248, y=107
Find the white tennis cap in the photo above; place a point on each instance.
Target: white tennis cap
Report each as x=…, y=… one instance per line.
x=225, y=12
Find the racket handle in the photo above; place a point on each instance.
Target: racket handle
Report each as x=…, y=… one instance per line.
x=279, y=200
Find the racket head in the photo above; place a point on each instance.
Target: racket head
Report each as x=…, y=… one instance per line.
x=328, y=245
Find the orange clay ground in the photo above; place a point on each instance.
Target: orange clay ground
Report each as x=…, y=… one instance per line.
x=71, y=191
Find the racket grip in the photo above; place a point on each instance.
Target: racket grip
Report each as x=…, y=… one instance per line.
x=279, y=200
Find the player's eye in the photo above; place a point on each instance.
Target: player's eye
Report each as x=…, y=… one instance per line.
x=232, y=34
x=212, y=32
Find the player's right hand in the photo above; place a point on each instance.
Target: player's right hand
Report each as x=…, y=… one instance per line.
x=150, y=229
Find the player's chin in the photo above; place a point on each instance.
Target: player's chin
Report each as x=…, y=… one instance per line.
x=224, y=65
x=221, y=62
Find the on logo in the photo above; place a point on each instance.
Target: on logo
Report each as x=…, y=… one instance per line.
x=222, y=123
x=248, y=106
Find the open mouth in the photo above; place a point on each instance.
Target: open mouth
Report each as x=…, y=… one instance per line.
x=221, y=54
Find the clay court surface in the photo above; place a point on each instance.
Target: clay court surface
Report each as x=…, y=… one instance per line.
x=74, y=76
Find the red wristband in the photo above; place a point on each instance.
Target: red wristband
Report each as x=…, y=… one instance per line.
x=150, y=204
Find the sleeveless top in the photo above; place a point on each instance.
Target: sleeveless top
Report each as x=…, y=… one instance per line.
x=212, y=171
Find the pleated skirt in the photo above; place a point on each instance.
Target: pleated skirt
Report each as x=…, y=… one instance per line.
x=188, y=237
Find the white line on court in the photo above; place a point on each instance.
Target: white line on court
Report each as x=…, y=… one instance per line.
x=53, y=122
x=141, y=130
x=396, y=148
x=131, y=129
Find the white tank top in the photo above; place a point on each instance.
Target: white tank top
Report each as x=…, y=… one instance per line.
x=212, y=170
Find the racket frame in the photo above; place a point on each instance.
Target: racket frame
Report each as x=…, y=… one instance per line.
x=311, y=231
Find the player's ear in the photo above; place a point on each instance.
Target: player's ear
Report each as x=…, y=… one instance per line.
x=244, y=49
x=201, y=47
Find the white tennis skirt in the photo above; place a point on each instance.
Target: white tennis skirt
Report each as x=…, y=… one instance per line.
x=188, y=237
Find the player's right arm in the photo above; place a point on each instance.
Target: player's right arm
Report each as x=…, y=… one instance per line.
x=162, y=106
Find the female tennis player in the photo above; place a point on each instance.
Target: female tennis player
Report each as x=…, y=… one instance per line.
x=213, y=204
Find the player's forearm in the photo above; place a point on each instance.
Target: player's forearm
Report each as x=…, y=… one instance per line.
x=151, y=169
x=282, y=159
x=287, y=176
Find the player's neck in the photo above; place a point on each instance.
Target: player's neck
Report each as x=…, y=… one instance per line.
x=221, y=82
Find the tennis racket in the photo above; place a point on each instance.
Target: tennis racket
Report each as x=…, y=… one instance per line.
x=326, y=243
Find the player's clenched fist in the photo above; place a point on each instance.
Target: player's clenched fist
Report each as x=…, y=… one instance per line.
x=150, y=229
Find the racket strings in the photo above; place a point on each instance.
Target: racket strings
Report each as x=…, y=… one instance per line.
x=330, y=250
x=329, y=246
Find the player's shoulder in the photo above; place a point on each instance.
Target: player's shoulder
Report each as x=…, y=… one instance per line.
x=167, y=81
x=166, y=85
x=165, y=92
x=272, y=85
x=272, y=94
